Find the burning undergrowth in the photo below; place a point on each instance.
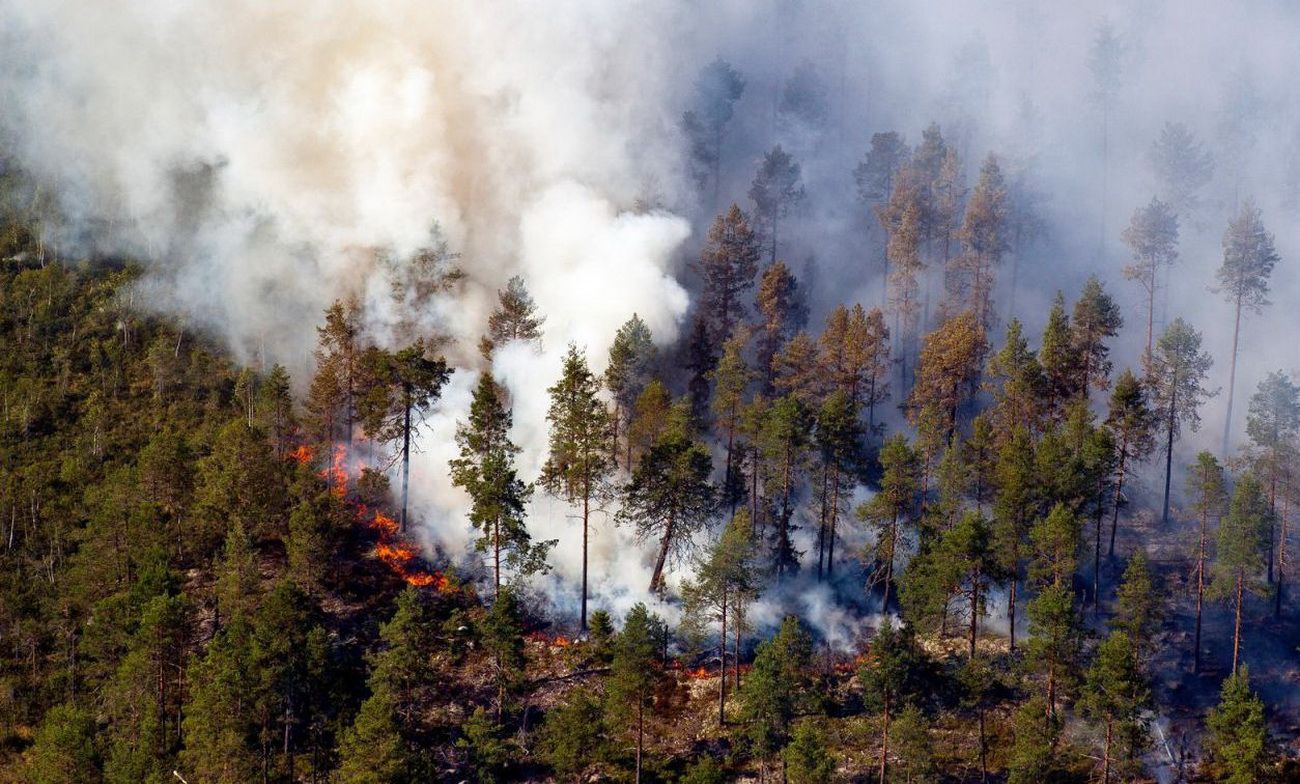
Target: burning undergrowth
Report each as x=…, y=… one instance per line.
x=392, y=546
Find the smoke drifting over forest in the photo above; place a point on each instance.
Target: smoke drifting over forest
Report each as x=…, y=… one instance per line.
x=267, y=159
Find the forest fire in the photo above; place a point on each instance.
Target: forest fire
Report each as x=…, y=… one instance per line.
x=399, y=556
x=558, y=641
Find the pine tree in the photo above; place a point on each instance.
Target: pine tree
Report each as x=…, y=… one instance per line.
x=776, y=688
x=1183, y=166
x=1018, y=384
x=1015, y=498
x=515, y=318
x=1273, y=422
x=1237, y=745
x=838, y=434
x=777, y=190
x=403, y=388
x=727, y=266
x=574, y=738
x=487, y=751
x=1059, y=360
x=273, y=409
x=648, y=421
x=781, y=312
x=724, y=583
x=1054, y=639
x=806, y=758
x=786, y=438
x=632, y=357
x=503, y=639
x=730, y=380
x=717, y=88
x=904, y=220
x=486, y=471
x=948, y=371
x=1248, y=260
x=1116, y=693
x=985, y=238
x=915, y=744
x=1096, y=318
x=1175, y=375
x=64, y=747
x=1138, y=607
x=1208, y=488
x=332, y=400
x=889, y=678
x=578, y=466
x=670, y=497
x=1239, y=555
x=1152, y=236
x=1033, y=752
x=1132, y=425
x=633, y=677
x=891, y=508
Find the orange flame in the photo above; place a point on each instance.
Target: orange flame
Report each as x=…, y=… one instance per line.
x=396, y=554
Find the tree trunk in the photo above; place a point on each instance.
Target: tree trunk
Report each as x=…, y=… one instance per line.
x=1169, y=445
x=1236, y=629
x=1011, y=607
x=640, y=735
x=1200, y=592
x=1281, y=563
x=884, y=742
x=1232, y=384
x=835, y=514
x=1105, y=758
x=1119, y=490
x=1096, y=560
x=974, y=612
x=722, y=665
x=586, y=516
x=657, y=578
x=496, y=556
x=821, y=524
x=406, y=454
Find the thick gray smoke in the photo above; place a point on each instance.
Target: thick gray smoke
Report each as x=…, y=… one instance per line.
x=263, y=158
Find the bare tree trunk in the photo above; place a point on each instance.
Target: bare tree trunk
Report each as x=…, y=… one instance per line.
x=1200, y=592
x=1281, y=562
x=1119, y=490
x=1236, y=629
x=406, y=457
x=722, y=665
x=1011, y=607
x=657, y=578
x=586, y=516
x=1105, y=759
x=884, y=742
x=1227, y=417
x=835, y=514
x=1169, y=446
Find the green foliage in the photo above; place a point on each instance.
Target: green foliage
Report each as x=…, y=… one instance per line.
x=1033, y=752
x=487, y=751
x=1237, y=744
x=774, y=691
x=806, y=758
x=574, y=737
x=64, y=750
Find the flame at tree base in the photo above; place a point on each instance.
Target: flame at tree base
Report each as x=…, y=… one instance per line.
x=398, y=554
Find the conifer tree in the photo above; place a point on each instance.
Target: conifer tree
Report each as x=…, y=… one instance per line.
x=1116, y=693
x=574, y=738
x=797, y=373
x=781, y=312
x=273, y=409
x=1237, y=745
x=634, y=676
x=332, y=399
x=403, y=387
x=777, y=190
x=670, y=496
x=727, y=266
x=1018, y=384
x=891, y=508
x=730, y=380
x=1183, y=166
x=648, y=421
x=1033, y=752
x=786, y=438
x=724, y=583
x=1273, y=423
x=514, y=318
x=486, y=471
x=889, y=677
x=1248, y=260
x=1096, y=319
x=904, y=220
x=806, y=758
x=503, y=638
x=1152, y=236
x=1239, y=555
x=775, y=690
x=717, y=88
x=1137, y=605
x=1175, y=375
x=1059, y=360
x=1208, y=488
x=985, y=238
x=948, y=371
x=837, y=433
x=578, y=466
x=630, y=370
x=1015, y=499
x=1132, y=425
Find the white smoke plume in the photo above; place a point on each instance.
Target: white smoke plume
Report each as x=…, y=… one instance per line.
x=262, y=158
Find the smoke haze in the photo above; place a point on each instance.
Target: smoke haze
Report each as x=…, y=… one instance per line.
x=264, y=159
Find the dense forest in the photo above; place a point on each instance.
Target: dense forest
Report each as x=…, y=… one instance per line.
x=947, y=533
